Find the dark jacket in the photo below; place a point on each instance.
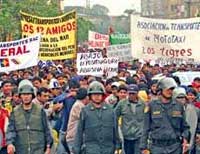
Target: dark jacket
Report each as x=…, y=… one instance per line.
x=96, y=132
x=29, y=130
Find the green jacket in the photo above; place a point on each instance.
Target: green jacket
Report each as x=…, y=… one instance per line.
x=132, y=118
x=28, y=130
x=97, y=130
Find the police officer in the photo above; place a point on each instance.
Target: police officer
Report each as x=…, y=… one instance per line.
x=131, y=112
x=96, y=131
x=164, y=123
x=28, y=130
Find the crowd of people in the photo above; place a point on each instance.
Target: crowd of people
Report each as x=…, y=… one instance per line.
x=52, y=110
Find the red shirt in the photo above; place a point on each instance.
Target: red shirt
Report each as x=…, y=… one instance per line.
x=197, y=104
x=4, y=114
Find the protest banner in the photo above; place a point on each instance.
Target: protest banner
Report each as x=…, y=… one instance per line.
x=19, y=54
x=165, y=41
x=120, y=39
x=58, y=34
x=93, y=63
x=97, y=40
x=123, y=52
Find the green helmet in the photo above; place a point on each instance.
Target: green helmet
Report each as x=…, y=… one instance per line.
x=96, y=88
x=167, y=83
x=26, y=89
x=179, y=92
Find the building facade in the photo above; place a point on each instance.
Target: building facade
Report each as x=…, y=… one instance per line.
x=163, y=9
x=192, y=8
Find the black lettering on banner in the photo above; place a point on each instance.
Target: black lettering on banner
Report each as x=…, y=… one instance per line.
x=55, y=54
x=47, y=21
x=44, y=39
x=54, y=39
x=64, y=48
x=65, y=37
x=90, y=70
x=33, y=39
x=44, y=45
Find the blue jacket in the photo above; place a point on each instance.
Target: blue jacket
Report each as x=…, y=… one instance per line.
x=68, y=103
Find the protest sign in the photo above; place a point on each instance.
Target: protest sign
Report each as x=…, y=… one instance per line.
x=97, y=40
x=94, y=64
x=19, y=54
x=171, y=41
x=123, y=52
x=58, y=34
x=120, y=39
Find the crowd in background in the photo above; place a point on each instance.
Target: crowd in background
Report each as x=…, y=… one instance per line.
x=62, y=94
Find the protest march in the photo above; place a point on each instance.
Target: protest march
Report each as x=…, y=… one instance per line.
x=115, y=93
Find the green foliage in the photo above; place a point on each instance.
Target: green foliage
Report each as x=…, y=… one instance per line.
x=83, y=27
x=10, y=14
x=99, y=10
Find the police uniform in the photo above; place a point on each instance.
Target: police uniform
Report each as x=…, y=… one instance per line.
x=96, y=132
x=164, y=127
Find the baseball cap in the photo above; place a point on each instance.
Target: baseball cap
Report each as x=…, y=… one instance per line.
x=133, y=88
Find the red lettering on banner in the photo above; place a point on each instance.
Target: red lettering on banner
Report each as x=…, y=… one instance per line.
x=98, y=44
x=101, y=37
x=176, y=53
x=28, y=28
x=61, y=28
x=20, y=50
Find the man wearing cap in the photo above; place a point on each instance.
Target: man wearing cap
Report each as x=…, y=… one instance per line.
x=165, y=125
x=82, y=100
x=131, y=111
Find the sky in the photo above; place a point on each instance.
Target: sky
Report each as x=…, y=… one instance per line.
x=116, y=7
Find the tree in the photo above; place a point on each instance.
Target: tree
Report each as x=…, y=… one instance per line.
x=83, y=27
x=129, y=11
x=99, y=10
x=10, y=14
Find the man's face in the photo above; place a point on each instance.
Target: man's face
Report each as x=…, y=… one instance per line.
x=97, y=98
x=122, y=94
x=154, y=87
x=44, y=97
x=4, y=77
x=37, y=84
x=191, y=97
x=7, y=88
x=181, y=100
x=114, y=90
x=167, y=93
x=61, y=80
x=83, y=83
x=108, y=88
x=26, y=75
x=73, y=91
x=16, y=98
x=55, y=91
x=26, y=98
x=132, y=97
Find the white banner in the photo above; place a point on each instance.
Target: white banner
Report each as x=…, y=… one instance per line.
x=19, y=54
x=97, y=40
x=94, y=64
x=171, y=41
x=122, y=51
